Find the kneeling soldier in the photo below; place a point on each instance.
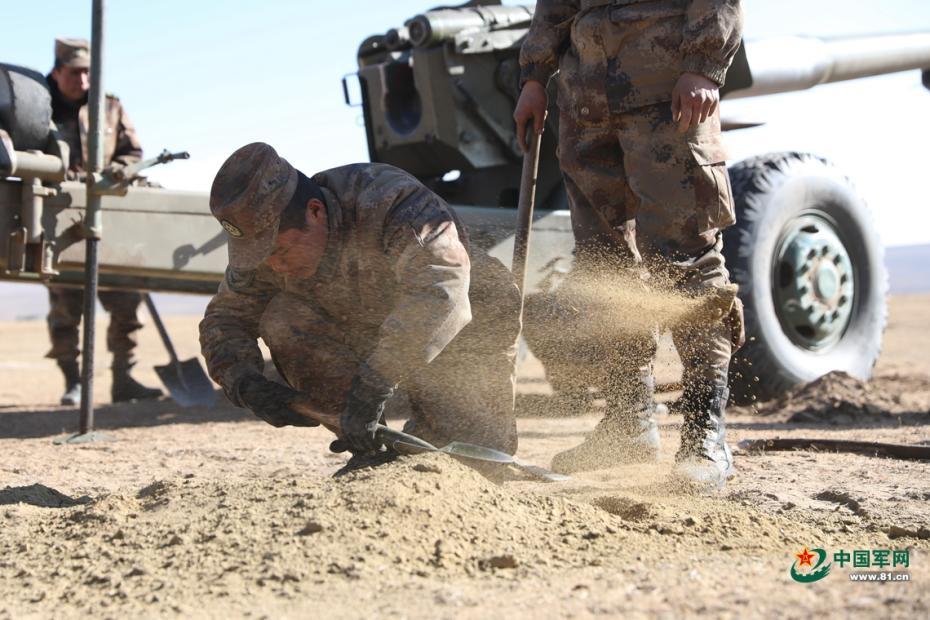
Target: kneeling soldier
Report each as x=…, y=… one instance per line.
x=362, y=283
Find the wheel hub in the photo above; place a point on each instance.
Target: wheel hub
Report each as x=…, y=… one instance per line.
x=815, y=284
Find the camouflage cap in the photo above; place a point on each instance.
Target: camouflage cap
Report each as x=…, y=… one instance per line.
x=248, y=195
x=72, y=53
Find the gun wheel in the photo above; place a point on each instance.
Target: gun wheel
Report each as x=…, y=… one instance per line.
x=811, y=274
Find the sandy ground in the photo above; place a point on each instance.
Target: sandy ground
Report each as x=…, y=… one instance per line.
x=210, y=513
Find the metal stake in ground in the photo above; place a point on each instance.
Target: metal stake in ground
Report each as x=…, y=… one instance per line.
x=93, y=222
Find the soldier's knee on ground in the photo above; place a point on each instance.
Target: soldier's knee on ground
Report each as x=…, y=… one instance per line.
x=497, y=434
x=446, y=406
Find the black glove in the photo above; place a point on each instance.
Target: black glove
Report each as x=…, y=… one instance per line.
x=364, y=408
x=269, y=401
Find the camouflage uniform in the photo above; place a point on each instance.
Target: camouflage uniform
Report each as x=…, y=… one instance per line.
x=642, y=195
x=398, y=289
x=121, y=146
x=120, y=143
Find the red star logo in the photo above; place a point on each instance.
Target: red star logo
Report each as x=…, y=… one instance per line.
x=804, y=558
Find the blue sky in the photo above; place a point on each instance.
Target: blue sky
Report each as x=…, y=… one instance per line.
x=209, y=76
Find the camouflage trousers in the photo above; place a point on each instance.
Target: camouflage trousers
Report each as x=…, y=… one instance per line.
x=649, y=200
x=465, y=394
x=66, y=306
x=584, y=345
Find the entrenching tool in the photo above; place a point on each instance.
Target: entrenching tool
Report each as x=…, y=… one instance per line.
x=186, y=381
x=405, y=443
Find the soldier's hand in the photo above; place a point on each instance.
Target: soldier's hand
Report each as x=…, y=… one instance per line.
x=270, y=401
x=115, y=170
x=364, y=408
x=531, y=106
x=694, y=99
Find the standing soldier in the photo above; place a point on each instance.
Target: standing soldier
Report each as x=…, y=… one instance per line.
x=361, y=282
x=641, y=155
x=69, y=84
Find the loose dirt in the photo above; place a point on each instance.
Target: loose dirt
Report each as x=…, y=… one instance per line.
x=838, y=399
x=211, y=513
x=626, y=305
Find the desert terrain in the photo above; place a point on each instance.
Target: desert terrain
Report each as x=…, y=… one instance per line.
x=212, y=513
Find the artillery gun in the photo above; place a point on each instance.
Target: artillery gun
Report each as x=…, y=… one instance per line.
x=437, y=95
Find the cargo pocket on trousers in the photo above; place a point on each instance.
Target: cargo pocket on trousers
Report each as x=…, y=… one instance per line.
x=717, y=199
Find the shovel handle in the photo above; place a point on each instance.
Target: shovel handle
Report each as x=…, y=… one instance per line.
x=527, y=201
x=400, y=441
x=156, y=318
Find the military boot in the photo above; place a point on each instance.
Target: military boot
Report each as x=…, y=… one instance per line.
x=627, y=433
x=72, y=373
x=125, y=388
x=704, y=457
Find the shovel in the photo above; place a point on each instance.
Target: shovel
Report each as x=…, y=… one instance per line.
x=405, y=443
x=525, y=205
x=186, y=381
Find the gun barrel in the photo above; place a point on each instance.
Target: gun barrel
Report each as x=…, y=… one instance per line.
x=787, y=64
x=441, y=25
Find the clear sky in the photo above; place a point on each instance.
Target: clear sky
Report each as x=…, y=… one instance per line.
x=209, y=75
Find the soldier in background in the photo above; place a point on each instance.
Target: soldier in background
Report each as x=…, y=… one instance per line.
x=69, y=84
x=643, y=164
x=363, y=284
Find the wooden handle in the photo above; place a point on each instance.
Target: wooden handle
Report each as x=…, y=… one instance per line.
x=525, y=205
x=305, y=408
x=156, y=318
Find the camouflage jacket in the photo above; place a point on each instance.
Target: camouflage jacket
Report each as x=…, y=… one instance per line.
x=394, y=277
x=626, y=54
x=120, y=145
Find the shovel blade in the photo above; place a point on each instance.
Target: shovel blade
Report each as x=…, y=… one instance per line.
x=187, y=383
x=467, y=452
x=472, y=452
x=541, y=473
